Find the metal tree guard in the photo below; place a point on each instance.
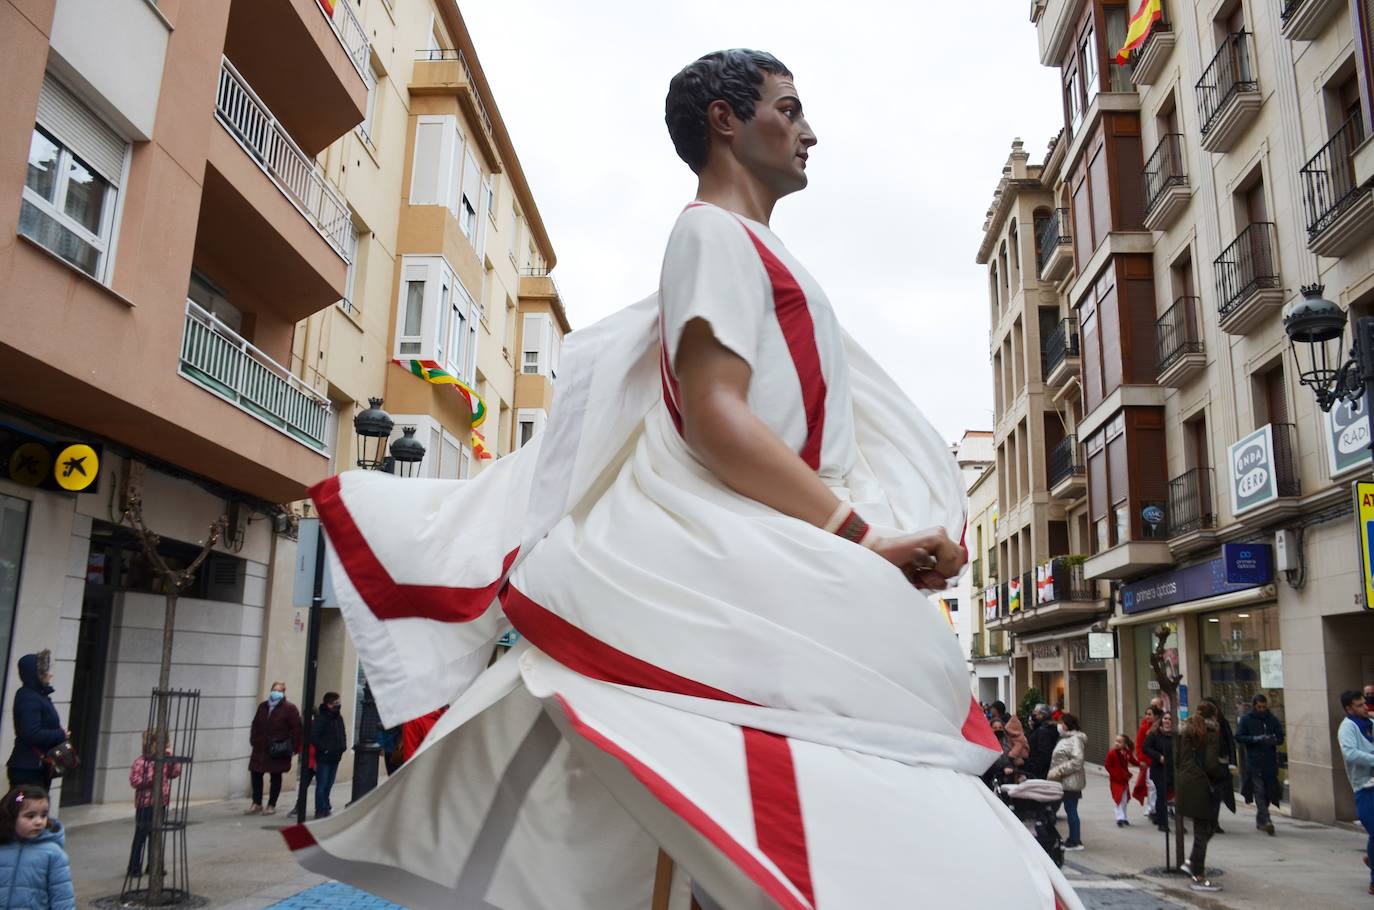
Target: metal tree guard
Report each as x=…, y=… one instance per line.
x=166, y=844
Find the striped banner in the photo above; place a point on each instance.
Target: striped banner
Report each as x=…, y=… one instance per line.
x=431, y=372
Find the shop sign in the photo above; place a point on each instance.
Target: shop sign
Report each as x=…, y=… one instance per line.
x=64, y=466
x=1254, y=480
x=1364, y=531
x=1347, y=436
x=1081, y=659
x=1046, y=657
x=1271, y=669
x=1240, y=566
x=1102, y=645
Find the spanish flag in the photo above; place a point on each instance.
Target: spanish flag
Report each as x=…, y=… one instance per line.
x=1149, y=12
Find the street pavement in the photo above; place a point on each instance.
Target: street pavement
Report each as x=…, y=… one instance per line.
x=240, y=862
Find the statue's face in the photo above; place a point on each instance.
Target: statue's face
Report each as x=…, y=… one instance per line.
x=773, y=145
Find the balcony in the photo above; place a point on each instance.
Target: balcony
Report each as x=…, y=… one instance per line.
x=267, y=206
x=1066, y=469
x=223, y=363
x=1248, y=287
x=446, y=72
x=976, y=573
x=1052, y=595
x=1192, y=512
x=1166, y=183
x=1148, y=63
x=1059, y=356
x=1178, y=344
x=1340, y=212
x=1228, y=94
x=1055, y=244
x=1305, y=20
x=309, y=64
x=1268, y=490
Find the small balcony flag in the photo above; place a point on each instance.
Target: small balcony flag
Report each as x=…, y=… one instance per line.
x=1146, y=15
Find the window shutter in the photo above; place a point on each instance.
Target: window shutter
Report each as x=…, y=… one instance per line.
x=472, y=179
x=425, y=185
x=454, y=174
x=532, y=339
x=80, y=130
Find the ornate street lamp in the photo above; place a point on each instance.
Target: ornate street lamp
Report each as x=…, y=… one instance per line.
x=407, y=453
x=1316, y=332
x=373, y=428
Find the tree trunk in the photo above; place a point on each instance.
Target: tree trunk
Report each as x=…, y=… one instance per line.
x=156, y=839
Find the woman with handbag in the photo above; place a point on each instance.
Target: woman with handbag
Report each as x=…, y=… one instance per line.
x=1198, y=780
x=275, y=736
x=37, y=725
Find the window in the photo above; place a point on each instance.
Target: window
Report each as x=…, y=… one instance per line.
x=429, y=177
x=1087, y=54
x=526, y=433
x=467, y=218
x=1117, y=25
x=470, y=196
x=437, y=316
x=367, y=127
x=352, y=293
x=207, y=295
x=1073, y=108
x=489, y=200
x=514, y=234
x=531, y=362
x=537, y=347
x=75, y=166
x=529, y=423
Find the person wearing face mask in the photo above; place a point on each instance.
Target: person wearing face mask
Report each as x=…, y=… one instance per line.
x=1066, y=766
x=37, y=725
x=330, y=741
x=275, y=736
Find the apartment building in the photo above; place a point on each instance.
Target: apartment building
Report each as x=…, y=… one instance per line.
x=989, y=651
x=1040, y=602
x=974, y=455
x=162, y=231
x=450, y=281
x=1203, y=185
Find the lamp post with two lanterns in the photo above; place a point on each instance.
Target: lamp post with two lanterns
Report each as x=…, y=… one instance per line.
x=1316, y=332
x=373, y=428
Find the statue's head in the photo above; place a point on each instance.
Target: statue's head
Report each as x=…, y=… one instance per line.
x=742, y=103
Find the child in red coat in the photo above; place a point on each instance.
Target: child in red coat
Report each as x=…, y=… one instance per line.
x=1119, y=760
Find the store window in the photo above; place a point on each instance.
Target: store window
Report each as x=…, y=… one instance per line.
x=1146, y=685
x=1241, y=657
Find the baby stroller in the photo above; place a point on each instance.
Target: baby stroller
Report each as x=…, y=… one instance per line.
x=1036, y=803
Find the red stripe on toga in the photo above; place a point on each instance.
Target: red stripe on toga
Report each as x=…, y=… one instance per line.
x=778, y=821
x=383, y=595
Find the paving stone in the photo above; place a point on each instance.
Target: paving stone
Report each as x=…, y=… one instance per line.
x=334, y=896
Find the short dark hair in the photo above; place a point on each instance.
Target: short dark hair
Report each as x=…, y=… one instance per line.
x=732, y=76
x=1068, y=720
x=1000, y=707
x=328, y=697
x=1259, y=697
x=11, y=805
x=1350, y=696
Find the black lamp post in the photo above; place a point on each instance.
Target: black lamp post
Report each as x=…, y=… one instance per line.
x=373, y=428
x=407, y=453
x=1316, y=332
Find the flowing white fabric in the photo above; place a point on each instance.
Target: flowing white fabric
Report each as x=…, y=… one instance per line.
x=773, y=705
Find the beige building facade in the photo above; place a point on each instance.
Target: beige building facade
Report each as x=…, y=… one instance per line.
x=1203, y=184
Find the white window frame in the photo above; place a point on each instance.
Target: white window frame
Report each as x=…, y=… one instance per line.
x=448, y=319
x=535, y=418
x=534, y=341
x=514, y=234
x=441, y=136
x=348, y=303
x=365, y=129
x=103, y=241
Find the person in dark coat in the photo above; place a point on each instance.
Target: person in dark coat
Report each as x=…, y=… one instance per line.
x=1159, y=749
x=1261, y=733
x=1043, y=737
x=1226, y=754
x=275, y=736
x=330, y=741
x=37, y=725
x=1196, y=778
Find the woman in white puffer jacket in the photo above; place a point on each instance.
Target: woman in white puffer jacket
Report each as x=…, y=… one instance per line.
x=1066, y=766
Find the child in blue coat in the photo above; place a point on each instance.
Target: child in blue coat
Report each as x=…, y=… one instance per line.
x=34, y=871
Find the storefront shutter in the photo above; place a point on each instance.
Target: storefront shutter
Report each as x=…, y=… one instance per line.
x=80, y=130
x=1090, y=696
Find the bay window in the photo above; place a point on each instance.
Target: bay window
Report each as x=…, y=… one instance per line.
x=437, y=317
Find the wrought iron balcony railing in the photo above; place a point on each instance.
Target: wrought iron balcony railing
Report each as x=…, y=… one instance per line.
x=453, y=53
x=1249, y=264
x=1191, y=507
x=1176, y=333
x=1052, y=232
x=1061, y=343
x=1164, y=169
x=1328, y=180
x=1065, y=461
x=220, y=360
x=1231, y=71
x=252, y=124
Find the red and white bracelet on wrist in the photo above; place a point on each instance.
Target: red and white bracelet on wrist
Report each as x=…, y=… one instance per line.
x=848, y=524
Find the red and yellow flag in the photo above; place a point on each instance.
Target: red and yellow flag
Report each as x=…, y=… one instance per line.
x=1149, y=12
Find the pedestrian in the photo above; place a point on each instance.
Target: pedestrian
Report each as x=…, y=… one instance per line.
x=1227, y=755
x=1159, y=749
x=141, y=775
x=1120, y=758
x=34, y=871
x=275, y=736
x=1261, y=733
x=1003, y=769
x=1018, y=748
x=1144, y=789
x=1199, y=777
x=329, y=740
x=1358, y=753
x=1366, y=723
x=1043, y=737
x=1066, y=766
x=37, y=725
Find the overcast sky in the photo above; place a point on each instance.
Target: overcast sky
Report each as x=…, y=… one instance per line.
x=914, y=106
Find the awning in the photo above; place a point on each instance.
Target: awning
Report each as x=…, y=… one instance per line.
x=1219, y=602
x=1055, y=634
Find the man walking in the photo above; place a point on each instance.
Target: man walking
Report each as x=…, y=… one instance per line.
x=1044, y=736
x=1261, y=733
x=1358, y=753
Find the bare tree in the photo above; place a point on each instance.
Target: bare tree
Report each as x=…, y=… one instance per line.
x=1168, y=686
x=173, y=581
